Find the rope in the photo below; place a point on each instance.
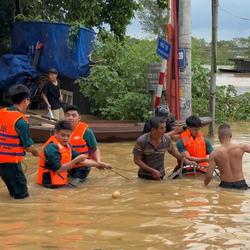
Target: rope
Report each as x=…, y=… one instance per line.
x=25, y=167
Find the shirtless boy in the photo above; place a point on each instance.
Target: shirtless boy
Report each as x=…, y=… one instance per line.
x=228, y=158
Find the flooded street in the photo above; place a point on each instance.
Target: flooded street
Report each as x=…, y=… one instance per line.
x=149, y=215
x=152, y=215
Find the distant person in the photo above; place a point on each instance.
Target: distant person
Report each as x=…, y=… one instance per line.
x=193, y=144
x=52, y=95
x=82, y=140
x=228, y=158
x=14, y=141
x=164, y=112
x=150, y=149
x=58, y=156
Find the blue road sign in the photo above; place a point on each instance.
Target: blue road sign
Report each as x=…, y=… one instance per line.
x=181, y=58
x=163, y=48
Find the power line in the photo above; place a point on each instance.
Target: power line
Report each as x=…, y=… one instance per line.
x=243, y=18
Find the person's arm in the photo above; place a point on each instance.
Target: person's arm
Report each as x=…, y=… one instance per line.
x=209, y=147
x=138, y=161
x=210, y=169
x=196, y=159
x=89, y=162
x=60, y=98
x=180, y=156
x=97, y=153
x=45, y=93
x=175, y=137
x=79, y=159
x=46, y=101
x=32, y=150
x=89, y=137
x=53, y=159
x=22, y=127
x=173, y=133
x=59, y=87
x=92, y=163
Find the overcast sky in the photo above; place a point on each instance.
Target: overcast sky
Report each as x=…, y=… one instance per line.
x=231, y=23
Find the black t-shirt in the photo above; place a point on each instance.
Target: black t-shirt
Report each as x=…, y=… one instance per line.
x=53, y=94
x=147, y=127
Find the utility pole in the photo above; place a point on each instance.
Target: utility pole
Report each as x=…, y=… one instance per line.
x=215, y=4
x=184, y=56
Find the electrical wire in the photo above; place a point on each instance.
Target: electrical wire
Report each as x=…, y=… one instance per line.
x=243, y=18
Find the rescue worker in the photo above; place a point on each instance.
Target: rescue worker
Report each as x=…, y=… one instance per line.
x=82, y=140
x=193, y=144
x=58, y=156
x=164, y=112
x=14, y=141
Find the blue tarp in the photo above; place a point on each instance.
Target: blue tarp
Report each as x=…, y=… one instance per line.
x=14, y=69
x=55, y=53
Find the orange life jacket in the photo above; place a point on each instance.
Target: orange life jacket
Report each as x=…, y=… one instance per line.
x=11, y=148
x=195, y=147
x=78, y=143
x=66, y=156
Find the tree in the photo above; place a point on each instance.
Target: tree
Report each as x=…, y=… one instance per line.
x=201, y=50
x=117, y=87
x=153, y=17
x=91, y=13
x=6, y=17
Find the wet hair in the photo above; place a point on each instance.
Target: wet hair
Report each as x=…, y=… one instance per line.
x=63, y=125
x=155, y=121
x=224, y=131
x=74, y=108
x=193, y=121
x=19, y=93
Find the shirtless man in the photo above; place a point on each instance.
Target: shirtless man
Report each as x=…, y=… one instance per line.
x=228, y=158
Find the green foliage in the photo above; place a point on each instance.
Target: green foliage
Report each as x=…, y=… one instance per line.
x=24, y=18
x=226, y=97
x=92, y=13
x=7, y=8
x=163, y=4
x=74, y=33
x=153, y=17
x=242, y=107
x=117, y=89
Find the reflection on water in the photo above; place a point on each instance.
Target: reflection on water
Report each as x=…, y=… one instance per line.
x=180, y=214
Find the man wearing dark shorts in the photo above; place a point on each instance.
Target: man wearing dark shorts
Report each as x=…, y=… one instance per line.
x=228, y=158
x=14, y=141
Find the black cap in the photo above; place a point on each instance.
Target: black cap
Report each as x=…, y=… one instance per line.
x=52, y=70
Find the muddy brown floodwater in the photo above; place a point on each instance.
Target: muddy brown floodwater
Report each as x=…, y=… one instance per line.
x=153, y=215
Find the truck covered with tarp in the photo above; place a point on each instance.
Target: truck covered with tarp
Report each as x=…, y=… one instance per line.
x=55, y=52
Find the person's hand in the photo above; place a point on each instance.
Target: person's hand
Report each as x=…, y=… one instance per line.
x=81, y=157
x=187, y=162
x=35, y=153
x=105, y=165
x=178, y=129
x=156, y=174
x=48, y=106
x=60, y=98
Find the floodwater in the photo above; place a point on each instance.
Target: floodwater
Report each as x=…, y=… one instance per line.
x=152, y=215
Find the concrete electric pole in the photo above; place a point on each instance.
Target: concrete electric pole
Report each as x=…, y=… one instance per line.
x=215, y=4
x=184, y=56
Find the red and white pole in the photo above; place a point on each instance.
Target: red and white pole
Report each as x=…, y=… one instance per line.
x=160, y=84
